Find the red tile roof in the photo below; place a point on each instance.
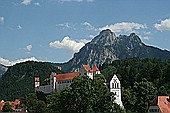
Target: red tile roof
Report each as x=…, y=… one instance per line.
x=66, y=76
x=14, y=104
x=164, y=104
x=37, y=79
x=95, y=68
x=87, y=68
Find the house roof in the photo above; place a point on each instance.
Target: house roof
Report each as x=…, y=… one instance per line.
x=87, y=68
x=37, y=79
x=164, y=104
x=14, y=104
x=66, y=76
x=95, y=68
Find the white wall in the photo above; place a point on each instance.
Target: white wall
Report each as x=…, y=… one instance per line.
x=115, y=87
x=62, y=84
x=45, y=89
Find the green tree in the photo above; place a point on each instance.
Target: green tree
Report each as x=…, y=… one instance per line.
x=86, y=96
x=40, y=107
x=53, y=102
x=34, y=105
x=145, y=93
x=31, y=101
x=7, y=108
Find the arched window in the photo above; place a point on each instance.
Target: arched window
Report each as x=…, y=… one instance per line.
x=117, y=85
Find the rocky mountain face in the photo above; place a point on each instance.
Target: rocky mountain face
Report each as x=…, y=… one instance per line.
x=3, y=69
x=107, y=47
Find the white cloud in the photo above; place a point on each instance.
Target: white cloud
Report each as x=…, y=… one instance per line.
x=164, y=25
x=66, y=25
x=26, y=2
x=19, y=27
x=147, y=33
x=91, y=36
x=124, y=27
x=1, y=20
x=146, y=38
x=89, y=26
x=85, y=41
x=28, y=47
x=37, y=4
x=7, y=62
x=69, y=44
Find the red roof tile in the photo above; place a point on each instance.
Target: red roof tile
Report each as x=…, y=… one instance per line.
x=66, y=76
x=95, y=68
x=14, y=104
x=164, y=104
x=37, y=79
x=87, y=68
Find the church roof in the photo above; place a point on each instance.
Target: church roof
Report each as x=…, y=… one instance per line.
x=66, y=76
x=95, y=68
x=164, y=104
x=88, y=69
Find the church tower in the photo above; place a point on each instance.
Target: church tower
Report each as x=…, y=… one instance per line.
x=115, y=87
x=36, y=82
x=53, y=82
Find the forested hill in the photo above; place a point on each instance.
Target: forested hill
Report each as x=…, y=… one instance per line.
x=141, y=80
x=19, y=79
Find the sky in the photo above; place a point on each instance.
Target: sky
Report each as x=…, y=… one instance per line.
x=53, y=30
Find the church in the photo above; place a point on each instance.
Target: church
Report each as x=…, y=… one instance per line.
x=115, y=87
x=60, y=81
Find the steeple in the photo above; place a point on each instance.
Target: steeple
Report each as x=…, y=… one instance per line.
x=36, y=82
x=115, y=87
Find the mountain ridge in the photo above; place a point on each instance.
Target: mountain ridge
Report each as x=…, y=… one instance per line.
x=107, y=47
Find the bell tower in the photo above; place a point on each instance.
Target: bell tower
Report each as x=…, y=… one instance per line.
x=115, y=87
x=53, y=81
x=36, y=82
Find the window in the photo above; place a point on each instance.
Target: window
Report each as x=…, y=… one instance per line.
x=114, y=80
x=117, y=85
x=113, y=85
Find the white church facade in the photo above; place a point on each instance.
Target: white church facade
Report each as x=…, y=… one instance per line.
x=60, y=81
x=115, y=87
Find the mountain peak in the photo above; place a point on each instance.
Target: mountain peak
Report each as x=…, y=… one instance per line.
x=105, y=37
x=135, y=38
x=106, y=31
x=132, y=35
x=106, y=47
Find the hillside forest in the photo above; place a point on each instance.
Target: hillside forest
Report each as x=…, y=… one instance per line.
x=142, y=80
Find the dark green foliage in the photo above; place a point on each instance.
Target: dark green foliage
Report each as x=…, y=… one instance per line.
x=41, y=96
x=141, y=80
x=34, y=105
x=2, y=69
x=19, y=79
x=7, y=108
